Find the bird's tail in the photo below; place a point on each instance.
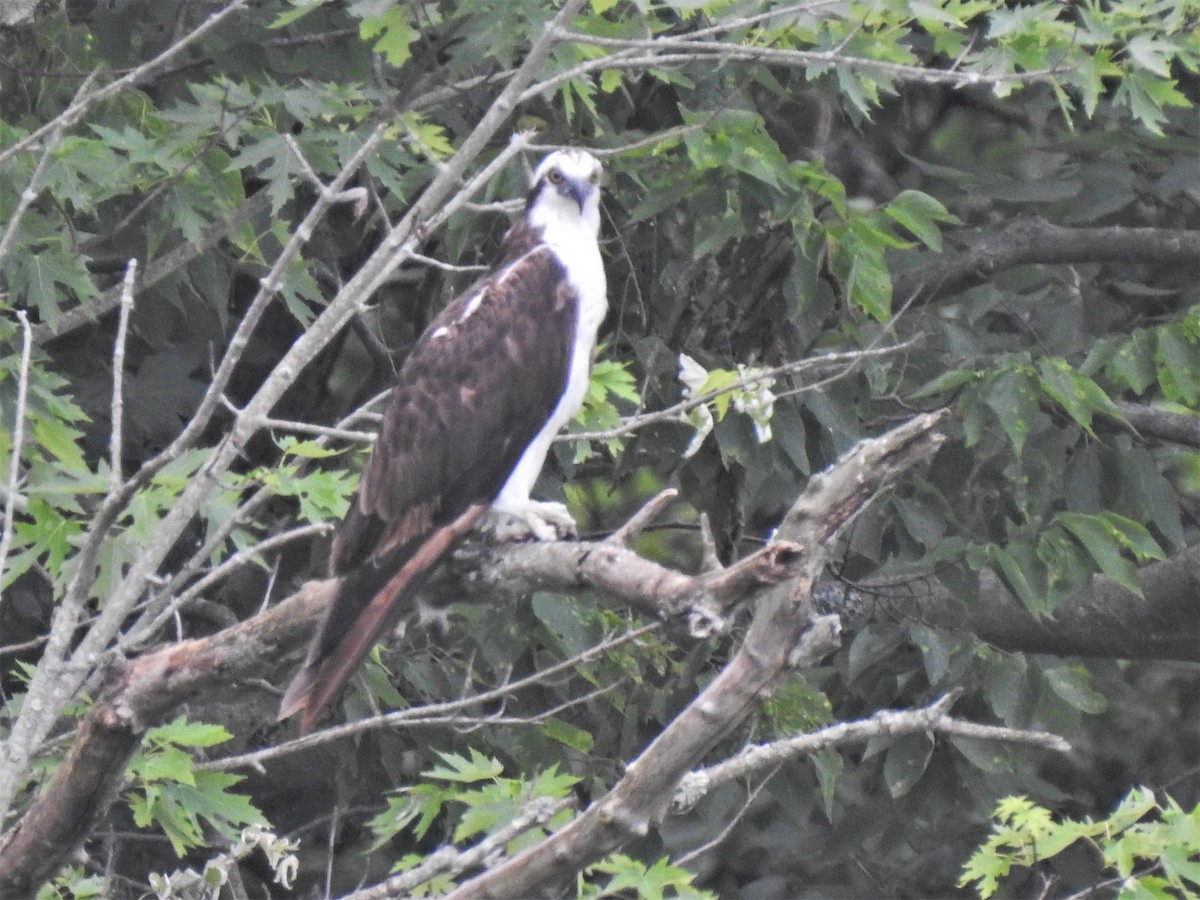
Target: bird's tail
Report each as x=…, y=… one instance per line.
x=328, y=668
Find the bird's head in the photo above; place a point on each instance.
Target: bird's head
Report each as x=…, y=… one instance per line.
x=566, y=186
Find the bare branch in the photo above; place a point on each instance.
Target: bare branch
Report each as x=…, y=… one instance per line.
x=686, y=49
x=644, y=516
x=115, y=441
x=842, y=363
x=18, y=442
x=420, y=715
x=1162, y=424
x=155, y=271
x=451, y=861
x=643, y=796
x=82, y=105
x=34, y=185
x=934, y=718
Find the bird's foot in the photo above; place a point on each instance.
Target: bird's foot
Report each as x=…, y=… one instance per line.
x=539, y=520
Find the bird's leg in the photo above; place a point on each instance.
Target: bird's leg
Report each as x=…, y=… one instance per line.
x=518, y=521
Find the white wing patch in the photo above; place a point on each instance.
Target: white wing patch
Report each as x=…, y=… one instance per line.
x=472, y=305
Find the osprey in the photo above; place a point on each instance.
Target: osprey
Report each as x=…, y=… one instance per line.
x=469, y=422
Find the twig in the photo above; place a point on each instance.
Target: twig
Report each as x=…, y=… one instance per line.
x=144, y=631
x=695, y=50
x=733, y=822
x=406, y=716
x=445, y=266
x=325, y=431
x=934, y=718
x=349, y=195
x=644, y=516
x=80, y=106
x=34, y=186
x=18, y=441
x=675, y=413
x=452, y=861
x=118, y=388
x=155, y=270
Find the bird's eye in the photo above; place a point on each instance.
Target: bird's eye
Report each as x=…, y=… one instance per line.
x=555, y=176
x=594, y=178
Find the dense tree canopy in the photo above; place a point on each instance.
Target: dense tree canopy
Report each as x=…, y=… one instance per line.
x=944, y=253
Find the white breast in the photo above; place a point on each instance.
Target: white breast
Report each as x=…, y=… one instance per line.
x=574, y=241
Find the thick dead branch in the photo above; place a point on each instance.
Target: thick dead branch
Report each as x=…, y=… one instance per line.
x=643, y=796
x=139, y=693
x=143, y=691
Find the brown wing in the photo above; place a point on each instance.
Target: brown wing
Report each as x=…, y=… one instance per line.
x=477, y=388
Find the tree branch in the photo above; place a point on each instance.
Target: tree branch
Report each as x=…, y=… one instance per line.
x=1102, y=619
x=643, y=796
x=64, y=667
x=1031, y=240
x=155, y=271
x=11, y=501
x=83, y=104
x=934, y=718
x=1161, y=424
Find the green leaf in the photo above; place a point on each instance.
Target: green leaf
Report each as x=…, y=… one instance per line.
x=1011, y=397
x=300, y=9
x=1104, y=542
x=1019, y=580
x=565, y=733
x=466, y=770
x=921, y=214
x=1072, y=683
x=391, y=30
x=947, y=381
x=187, y=734
x=906, y=762
x=1074, y=392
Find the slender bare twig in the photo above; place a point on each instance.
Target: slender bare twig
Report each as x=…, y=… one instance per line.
x=406, y=716
x=34, y=186
x=18, y=440
x=934, y=718
x=349, y=195
x=848, y=362
x=452, y=861
x=648, y=513
x=329, y=432
x=734, y=821
x=155, y=270
x=450, y=267
x=137, y=637
x=62, y=669
x=80, y=106
x=694, y=51
x=115, y=440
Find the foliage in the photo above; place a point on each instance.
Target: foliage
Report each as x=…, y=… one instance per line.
x=773, y=181
x=168, y=792
x=1151, y=857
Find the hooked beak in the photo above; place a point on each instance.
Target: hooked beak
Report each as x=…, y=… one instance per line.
x=577, y=189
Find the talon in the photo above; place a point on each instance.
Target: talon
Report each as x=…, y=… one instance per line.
x=541, y=521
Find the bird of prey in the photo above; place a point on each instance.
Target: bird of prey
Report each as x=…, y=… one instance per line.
x=469, y=422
